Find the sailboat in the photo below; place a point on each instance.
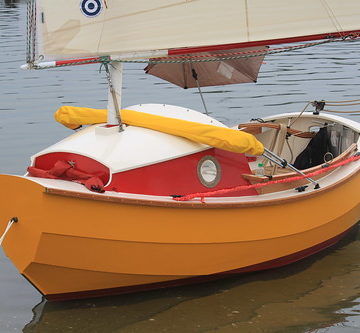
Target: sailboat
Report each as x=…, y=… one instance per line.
x=154, y=195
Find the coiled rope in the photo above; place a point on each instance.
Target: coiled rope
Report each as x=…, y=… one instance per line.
x=327, y=168
x=9, y=225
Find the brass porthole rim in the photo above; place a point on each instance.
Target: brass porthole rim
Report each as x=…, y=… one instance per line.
x=214, y=182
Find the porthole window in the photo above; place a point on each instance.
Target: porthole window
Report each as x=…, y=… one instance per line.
x=209, y=171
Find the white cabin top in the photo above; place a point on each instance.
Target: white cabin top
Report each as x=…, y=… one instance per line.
x=135, y=146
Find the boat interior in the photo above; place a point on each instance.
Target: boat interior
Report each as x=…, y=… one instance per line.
x=292, y=136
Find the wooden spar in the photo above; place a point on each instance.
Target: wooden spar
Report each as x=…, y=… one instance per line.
x=187, y=50
x=61, y=63
x=94, y=60
x=297, y=39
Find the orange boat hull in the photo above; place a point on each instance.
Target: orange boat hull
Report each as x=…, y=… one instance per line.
x=87, y=245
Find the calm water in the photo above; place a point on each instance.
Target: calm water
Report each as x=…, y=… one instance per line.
x=320, y=294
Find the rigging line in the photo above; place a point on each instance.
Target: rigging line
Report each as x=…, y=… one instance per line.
x=9, y=225
x=184, y=72
x=264, y=50
x=332, y=16
x=211, y=57
x=34, y=32
x=353, y=100
x=28, y=30
x=247, y=20
x=290, y=150
x=107, y=59
x=335, y=111
x=102, y=27
x=195, y=76
x=31, y=32
x=341, y=104
x=300, y=114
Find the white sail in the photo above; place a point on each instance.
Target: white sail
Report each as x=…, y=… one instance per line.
x=98, y=27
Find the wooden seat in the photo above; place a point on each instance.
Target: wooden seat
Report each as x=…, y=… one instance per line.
x=276, y=144
x=256, y=128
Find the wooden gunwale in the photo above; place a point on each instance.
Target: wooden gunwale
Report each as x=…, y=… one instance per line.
x=255, y=128
x=199, y=204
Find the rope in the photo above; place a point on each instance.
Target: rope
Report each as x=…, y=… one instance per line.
x=28, y=31
x=232, y=56
x=349, y=101
x=335, y=111
x=31, y=32
x=304, y=109
x=9, y=225
x=207, y=57
x=332, y=16
x=202, y=195
x=341, y=104
x=316, y=104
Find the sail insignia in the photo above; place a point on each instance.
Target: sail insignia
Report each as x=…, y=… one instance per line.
x=91, y=8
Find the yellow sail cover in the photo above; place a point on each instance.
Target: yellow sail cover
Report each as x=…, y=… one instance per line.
x=214, y=136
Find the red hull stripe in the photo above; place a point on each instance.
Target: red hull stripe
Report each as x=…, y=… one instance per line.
x=261, y=43
x=279, y=262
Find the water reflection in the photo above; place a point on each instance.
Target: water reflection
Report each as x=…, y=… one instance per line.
x=10, y=3
x=305, y=296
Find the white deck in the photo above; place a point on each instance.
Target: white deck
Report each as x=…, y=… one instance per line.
x=135, y=146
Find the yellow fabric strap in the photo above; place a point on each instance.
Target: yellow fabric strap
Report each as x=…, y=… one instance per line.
x=214, y=136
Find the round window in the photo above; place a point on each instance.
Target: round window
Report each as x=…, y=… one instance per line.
x=209, y=171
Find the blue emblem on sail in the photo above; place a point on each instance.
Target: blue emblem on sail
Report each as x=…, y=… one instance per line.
x=91, y=8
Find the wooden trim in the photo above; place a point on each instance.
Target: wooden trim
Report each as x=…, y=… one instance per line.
x=254, y=128
x=199, y=204
x=254, y=179
x=261, y=179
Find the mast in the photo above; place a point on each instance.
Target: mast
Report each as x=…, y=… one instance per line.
x=114, y=73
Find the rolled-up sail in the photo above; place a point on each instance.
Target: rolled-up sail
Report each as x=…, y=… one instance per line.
x=75, y=28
